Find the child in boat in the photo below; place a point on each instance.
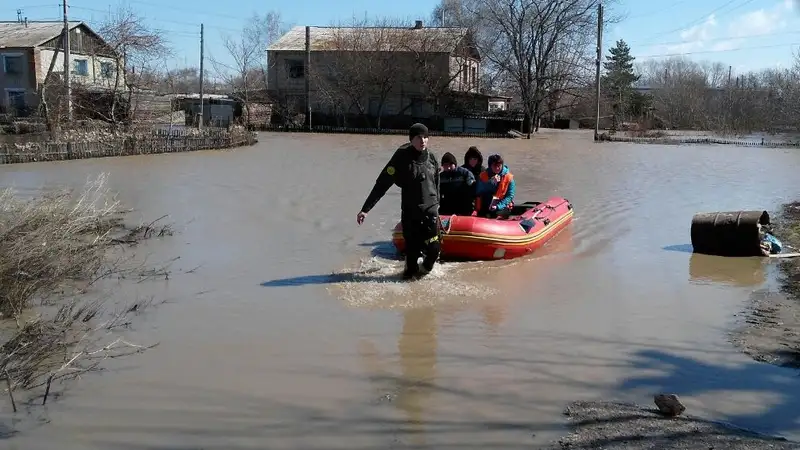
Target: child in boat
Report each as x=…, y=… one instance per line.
x=496, y=189
x=457, y=188
x=473, y=161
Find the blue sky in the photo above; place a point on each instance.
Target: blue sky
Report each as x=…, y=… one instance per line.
x=746, y=34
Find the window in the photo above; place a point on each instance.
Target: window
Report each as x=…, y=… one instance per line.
x=295, y=69
x=80, y=67
x=475, y=77
x=12, y=64
x=464, y=74
x=16, y=99
x=106, y=69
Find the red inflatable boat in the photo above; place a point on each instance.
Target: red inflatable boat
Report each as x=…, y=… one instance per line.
x=528, y=227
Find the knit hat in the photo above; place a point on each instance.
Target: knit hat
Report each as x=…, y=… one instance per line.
x=417, y=129
x=449, y=158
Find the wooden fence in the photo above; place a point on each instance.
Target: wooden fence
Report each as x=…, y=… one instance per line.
x=678, y=140
x=127, y=146
x=384, y=131
x=182, y=131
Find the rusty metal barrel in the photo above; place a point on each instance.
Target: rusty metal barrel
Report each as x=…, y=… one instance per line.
x=735, y=233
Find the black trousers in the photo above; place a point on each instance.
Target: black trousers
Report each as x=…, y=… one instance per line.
x=422, y=236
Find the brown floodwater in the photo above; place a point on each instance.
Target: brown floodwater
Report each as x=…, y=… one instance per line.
x=286, y=326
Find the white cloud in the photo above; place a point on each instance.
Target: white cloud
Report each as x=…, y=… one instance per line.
x=760, y=21
x=710, y=36
x=694, y=38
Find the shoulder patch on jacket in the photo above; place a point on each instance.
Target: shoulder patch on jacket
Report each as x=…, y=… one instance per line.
x=390, y=170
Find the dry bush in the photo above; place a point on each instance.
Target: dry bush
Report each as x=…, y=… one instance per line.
x=52, y=249
x=70, y=341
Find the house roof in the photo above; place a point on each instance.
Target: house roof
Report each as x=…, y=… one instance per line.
x=433, y=40
x=16, y=34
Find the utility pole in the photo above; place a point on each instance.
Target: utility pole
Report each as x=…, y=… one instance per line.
x=67, y=66
x=307, y=76
x=202, y=113
x=597, y=70
x=730, y=69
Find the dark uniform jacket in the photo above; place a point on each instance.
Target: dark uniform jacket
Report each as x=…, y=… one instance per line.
x=416, y=174
x=458, y=192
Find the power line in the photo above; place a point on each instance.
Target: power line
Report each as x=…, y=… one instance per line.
x=188, y=10
x=727, y=50
x=191, y=24
x=727, y=38
x=660, y=11
x=695, y=21
x=186, y=34
x=746, y=2
x=51, y=5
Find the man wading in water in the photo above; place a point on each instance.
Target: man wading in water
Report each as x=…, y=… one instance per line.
x=414, y=169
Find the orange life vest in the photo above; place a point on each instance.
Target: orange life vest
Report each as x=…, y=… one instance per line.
x=502, y=186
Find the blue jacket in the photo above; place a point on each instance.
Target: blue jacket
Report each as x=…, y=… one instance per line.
x=486, y=190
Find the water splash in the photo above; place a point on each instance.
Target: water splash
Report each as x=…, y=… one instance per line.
x=378, y=283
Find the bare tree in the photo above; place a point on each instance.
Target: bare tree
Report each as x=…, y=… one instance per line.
x=139, y=50
x=538, y=51
x=567, y=76
x=467, y=14
x=52, y=94
x=184, y=80
x=246, y=77
x=454, y=13
x=531, y=37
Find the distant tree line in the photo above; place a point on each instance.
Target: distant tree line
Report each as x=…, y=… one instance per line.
x=680, y=93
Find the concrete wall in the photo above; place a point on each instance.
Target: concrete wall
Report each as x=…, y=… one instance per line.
x=95, y=74
x=36, y=62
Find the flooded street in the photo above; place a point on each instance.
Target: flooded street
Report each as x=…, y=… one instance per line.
x=286, y=326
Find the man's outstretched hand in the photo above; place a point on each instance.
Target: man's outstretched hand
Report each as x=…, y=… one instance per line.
x=360, y=217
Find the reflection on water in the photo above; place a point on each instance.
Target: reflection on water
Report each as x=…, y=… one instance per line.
x=741, y=272
x=411, y=389
x=417, y=349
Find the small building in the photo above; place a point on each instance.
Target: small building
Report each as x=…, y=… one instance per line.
x=31, y=51
x=566, y=124
x=364, y=70
x=218, y=110
x=498, y=103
